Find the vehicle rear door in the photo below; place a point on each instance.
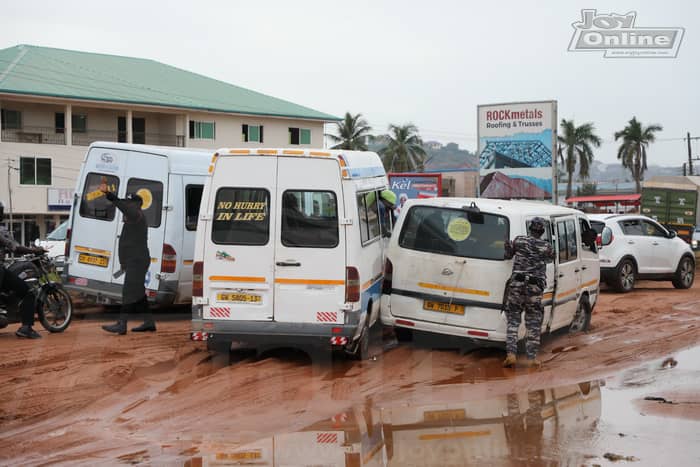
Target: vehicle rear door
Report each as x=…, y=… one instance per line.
x=664, y=257
x=193, y=187
x=310, y=255
x=147, y=176
x=638, y=244
x=93, y=248
x=568, y=271
x=239, y=239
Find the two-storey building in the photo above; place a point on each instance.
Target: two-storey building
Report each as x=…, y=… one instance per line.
x=54, y=103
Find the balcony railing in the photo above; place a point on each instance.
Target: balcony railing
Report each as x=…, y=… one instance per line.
x=157, y=139
x=33, y=134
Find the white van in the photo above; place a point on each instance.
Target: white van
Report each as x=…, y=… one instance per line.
x=289, y=248
x=445, y=270
x=170, y=181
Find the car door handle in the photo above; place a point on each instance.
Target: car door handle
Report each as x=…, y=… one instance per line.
x=561, y=275
x=584, y=267
x=576, y=270
x=288, y=263
x=654, y=243
x=630, y=242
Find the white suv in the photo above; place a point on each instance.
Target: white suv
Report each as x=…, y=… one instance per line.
x=636, y=247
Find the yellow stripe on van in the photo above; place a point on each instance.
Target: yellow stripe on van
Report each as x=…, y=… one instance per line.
x=586, y=284
x=211, y=168
x=85, y=249
x=236, y=279
x=154, y=260
x=239, y=151
x=267, y=151
x=566, y=293
x=310, y=281
x=445, y=288
x=369, y=283
x=188, y=262
x=293, y=152
x=319, y=153
x=548, y=295
x=459, y=434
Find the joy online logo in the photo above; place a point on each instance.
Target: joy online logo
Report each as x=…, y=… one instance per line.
x=617, y=36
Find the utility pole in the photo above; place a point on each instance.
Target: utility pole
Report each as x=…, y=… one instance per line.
x=9, y=191
x=690, y=157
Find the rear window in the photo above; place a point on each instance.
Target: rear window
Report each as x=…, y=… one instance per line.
x=94, y=204
x=241, y=216
x=455, y=232
x=309, y=219
x=598, y=226
x=151, y=192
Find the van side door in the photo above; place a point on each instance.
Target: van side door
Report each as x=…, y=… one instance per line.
x=590, y=265
x=567, y=271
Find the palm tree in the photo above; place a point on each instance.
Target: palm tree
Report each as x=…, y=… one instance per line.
x=352, y=133
x=404, y=150
x=633, y=150
x=577, y=142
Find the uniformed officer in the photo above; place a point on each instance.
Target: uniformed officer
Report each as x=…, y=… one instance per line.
x=524, y=293
x=135, y=259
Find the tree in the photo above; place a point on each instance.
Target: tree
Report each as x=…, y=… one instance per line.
x=576, y=142
x=352, y=131
x=404, y=150
x=587, y=189
x=633, y=150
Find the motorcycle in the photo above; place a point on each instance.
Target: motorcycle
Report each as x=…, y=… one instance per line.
x=54, y=307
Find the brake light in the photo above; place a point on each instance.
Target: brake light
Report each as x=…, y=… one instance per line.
x=388, y=272
x=198, y=279
x=352, y=284
x=168, y=262
x=66, y=249
x=598, y=240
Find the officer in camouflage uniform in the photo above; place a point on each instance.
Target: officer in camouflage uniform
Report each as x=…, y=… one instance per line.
x=524, y=294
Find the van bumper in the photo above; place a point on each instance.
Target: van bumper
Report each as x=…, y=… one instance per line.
x=99, y=292
x=272, y=332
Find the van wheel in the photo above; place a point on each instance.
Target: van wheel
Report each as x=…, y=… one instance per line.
x=362, y=346
x=685, y=274
x=219, y=346
x=624, y=276
x=582, y=317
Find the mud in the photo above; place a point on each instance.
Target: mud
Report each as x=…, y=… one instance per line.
x=83, y=397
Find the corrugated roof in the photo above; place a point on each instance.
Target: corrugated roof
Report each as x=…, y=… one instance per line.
x=44, y=71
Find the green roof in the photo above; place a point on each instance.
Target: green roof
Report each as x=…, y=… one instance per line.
x=44, y=71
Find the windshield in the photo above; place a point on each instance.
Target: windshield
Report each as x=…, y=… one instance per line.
x=455, y=232
x=59, y=233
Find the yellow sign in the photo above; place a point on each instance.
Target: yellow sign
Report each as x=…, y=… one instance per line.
x=146, y=196
x=241, y=211
x=459, y=229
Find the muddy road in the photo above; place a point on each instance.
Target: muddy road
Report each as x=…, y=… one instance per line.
x=626, y=391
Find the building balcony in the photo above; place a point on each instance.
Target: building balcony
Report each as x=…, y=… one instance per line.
x=33, y=134
x=157, y=139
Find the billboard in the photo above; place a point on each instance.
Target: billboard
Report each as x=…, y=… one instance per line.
x=414, y=185
x=517, y=150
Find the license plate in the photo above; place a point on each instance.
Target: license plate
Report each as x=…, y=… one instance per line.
x=101, y=261
x=238, y=297
x=443, y=307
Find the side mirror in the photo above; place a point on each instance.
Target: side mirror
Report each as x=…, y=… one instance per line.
x=37, y=242
x=606, y=237
x=672, y=234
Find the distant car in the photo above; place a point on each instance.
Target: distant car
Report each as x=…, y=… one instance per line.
x=55, y=244
x=636, y=247
x=695, y=242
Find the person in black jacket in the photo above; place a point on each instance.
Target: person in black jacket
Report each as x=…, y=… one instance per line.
x=135, y=260
x=11, y=283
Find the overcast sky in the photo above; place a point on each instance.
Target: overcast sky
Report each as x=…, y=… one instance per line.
x=398, y=61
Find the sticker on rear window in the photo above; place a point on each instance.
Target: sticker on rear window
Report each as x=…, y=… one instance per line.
x=459, y=229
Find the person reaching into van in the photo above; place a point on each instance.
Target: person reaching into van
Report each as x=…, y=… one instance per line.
x=134, y=259
x=526, y=285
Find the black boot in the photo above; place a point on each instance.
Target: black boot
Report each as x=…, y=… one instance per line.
x=117, y=328
x=148, y=326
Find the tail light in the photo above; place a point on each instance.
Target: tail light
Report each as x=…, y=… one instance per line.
x=598, y=240
x=388, y=272
x=198, y=279
x=168, y=262
x=352, y=284
x=66, y=249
